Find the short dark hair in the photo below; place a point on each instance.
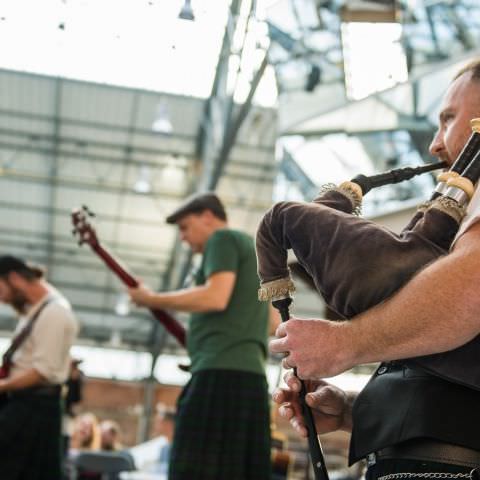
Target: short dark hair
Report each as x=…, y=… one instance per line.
x=29, y=271
x=198, y=203
x=472, y=67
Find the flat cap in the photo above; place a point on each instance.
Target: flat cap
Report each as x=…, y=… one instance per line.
x=198, y=203
x=9, y=263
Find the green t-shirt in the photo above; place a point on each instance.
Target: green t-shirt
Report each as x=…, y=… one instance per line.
x=235, y=338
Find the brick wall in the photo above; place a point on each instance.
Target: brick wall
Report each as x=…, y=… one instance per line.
x=123, y=402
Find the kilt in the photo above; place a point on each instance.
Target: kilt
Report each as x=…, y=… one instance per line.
x=222, y=428
x=30, y=438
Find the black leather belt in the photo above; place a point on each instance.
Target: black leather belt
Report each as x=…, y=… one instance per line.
x=44, y=390
x=429, y=450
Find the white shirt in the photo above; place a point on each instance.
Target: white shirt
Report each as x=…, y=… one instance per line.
x=472, y=216
x=47, y=347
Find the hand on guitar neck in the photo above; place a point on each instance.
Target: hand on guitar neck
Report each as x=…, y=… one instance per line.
x=85, y=233
x=141, y=295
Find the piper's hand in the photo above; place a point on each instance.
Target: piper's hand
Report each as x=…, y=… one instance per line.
x=330, y=405
x=317, y=348
x=141, y=295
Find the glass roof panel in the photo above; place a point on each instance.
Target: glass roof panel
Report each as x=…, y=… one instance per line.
x=340, y=157
x=139, y=44
x=136, y=44
x=374, y=58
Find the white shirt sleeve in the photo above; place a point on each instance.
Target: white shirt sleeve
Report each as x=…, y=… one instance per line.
x=472, y=216
x=51, y=338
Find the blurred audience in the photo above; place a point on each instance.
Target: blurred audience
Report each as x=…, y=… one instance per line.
x=164, y=426
x=153, y=456
x=86, y=433
x=110, y=435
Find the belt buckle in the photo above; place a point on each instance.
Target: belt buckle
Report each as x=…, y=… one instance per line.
x=371, y=459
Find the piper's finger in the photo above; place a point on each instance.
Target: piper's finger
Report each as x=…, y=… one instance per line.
x=283, y=395
x=299, y=426
x=279, y=345
x=289, y=412
x=292, y=381
x=278, y=396
x=286, y=411
x=281, y=330
x=287, y=363
x=326, y=400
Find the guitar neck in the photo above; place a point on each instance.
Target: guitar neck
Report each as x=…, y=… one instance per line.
x=4, y=370
x=173, y=326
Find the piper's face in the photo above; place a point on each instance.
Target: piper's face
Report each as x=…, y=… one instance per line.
x=460, y=104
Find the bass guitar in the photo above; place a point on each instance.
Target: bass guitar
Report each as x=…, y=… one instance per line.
x=85, y=233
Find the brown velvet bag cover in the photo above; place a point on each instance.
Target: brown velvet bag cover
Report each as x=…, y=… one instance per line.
x=356, y=264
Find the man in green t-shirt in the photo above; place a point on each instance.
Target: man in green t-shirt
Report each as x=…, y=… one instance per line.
x=222, y=426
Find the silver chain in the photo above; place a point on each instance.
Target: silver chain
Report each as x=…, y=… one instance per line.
x=396, y=476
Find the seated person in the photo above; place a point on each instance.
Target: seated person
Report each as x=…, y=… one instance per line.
x=164, y=426
x=86, y=433
x=110, y=436
x=154, y=456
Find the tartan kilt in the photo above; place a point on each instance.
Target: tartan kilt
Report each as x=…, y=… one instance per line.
x=30, y=438
x=222, y=428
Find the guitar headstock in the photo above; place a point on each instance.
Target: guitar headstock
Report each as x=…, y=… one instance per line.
x=83, y=230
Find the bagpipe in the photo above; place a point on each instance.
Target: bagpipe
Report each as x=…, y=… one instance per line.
x=355, y=263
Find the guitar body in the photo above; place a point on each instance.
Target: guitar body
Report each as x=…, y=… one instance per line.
x=87, y=234
x=4, y=371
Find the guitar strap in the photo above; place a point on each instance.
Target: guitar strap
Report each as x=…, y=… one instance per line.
x=19, y=339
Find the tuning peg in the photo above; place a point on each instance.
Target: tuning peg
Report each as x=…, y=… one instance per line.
x=88, y=211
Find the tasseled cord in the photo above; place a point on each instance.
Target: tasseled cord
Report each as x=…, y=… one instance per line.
x=276, y=289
